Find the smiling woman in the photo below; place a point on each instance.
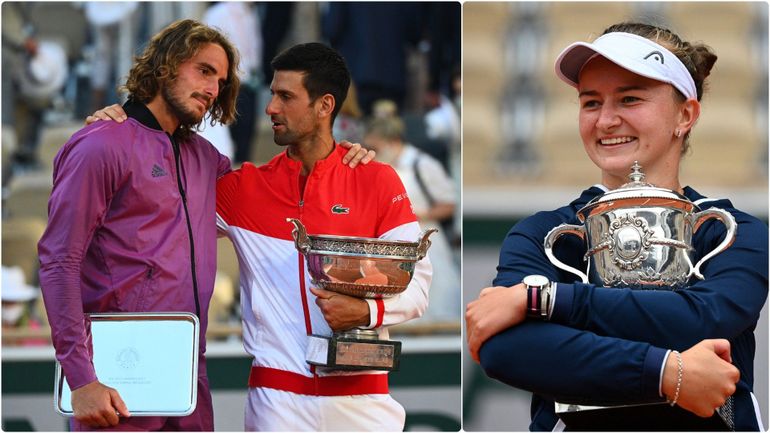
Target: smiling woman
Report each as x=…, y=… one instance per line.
x=638, y=100
x=605, y=344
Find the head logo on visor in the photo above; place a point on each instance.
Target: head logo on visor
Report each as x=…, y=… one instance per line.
x=631, y=52
x=656, y=55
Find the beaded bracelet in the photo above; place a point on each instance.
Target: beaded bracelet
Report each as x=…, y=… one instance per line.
x=678, y=378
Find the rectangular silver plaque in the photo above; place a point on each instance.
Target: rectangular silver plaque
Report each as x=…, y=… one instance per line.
x=353, y=354
x=150, y=358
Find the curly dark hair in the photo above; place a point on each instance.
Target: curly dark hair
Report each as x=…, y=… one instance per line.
x=172, y=46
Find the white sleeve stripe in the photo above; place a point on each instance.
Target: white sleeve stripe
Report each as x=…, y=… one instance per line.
x=662, y=369
x=372, y=313
x=757, y=412
x=704, y=200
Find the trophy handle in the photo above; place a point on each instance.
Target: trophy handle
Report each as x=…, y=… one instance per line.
x=732, y=227
x=301, y=239
x=555, y=234
x=424, y=243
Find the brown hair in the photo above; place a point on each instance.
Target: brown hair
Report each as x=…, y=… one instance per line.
x=174, y=45
x=698, y=58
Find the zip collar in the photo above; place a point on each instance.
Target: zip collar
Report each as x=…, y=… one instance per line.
x=142, y=114
x=321, y=165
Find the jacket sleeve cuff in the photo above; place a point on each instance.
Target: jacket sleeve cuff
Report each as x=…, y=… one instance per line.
x=652, y=372
x=79, y=375
x=376, y=313
x=562, y=305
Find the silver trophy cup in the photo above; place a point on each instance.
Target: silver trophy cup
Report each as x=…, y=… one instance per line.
x=640, y=236
x=364, y=268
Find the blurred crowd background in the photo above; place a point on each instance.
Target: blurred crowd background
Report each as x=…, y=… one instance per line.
x=61, y=61
x=523, y=152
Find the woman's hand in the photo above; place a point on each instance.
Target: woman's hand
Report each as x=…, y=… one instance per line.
x=708, y=377
x=497, y=308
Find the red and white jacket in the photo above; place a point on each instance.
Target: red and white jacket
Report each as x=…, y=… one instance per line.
x=278, y=309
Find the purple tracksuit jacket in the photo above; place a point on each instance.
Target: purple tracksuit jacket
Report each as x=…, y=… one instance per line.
x=131, y=228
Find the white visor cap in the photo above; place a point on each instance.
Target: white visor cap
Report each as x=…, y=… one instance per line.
x=631, y=52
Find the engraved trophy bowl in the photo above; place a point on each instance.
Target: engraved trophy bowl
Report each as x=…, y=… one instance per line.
x=368, y=268
x=640, y=236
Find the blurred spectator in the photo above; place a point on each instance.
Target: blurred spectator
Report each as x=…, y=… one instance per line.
x=443, y=22
x=16, y=313
x=218, y=135
x=239, y=21
x=113, y=28
x=349, y=122
x=223, y=300
x=374, y=38
x=276, y=21
x=432, y=195
x=442, y=123
x=384, y=108
x=35, y=73
x=457, y=86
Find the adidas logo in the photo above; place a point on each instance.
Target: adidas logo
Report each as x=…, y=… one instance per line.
x=158, y=171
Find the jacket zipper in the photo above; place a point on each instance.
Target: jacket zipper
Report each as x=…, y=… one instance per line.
x=178, y=160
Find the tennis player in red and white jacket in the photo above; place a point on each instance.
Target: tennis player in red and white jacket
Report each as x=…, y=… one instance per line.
x=280, y=308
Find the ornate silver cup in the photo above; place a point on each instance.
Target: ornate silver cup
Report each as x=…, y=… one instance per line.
x=364, y=268
x=640, y=236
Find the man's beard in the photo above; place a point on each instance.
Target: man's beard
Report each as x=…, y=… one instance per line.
x=188, y=118
x=284, y=139
x=293, y=136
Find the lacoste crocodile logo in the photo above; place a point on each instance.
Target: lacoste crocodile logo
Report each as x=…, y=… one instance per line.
x=338, y=209
x=158, y=171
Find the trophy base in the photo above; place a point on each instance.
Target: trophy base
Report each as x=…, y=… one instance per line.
x=643, y=417
x=353, y=350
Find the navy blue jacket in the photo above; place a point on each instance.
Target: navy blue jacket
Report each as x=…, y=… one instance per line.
x=606, y=346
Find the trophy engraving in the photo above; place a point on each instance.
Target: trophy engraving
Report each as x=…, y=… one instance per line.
x=629, y=241
x=128, y=358
x=364, y=268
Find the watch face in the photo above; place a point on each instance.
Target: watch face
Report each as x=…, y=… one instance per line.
x=535, y=280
